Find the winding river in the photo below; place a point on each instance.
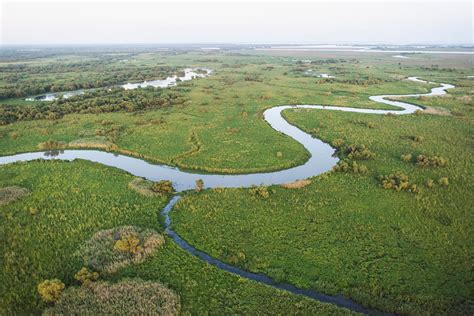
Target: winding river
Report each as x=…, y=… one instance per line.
x=322, y=159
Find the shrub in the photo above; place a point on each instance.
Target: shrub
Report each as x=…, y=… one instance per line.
x=350, y=166
x=129, y=242
x=86, y=276
x=50, y=290
x=406, y=157
x=279, y=154
x=429, y=183
x=261, y=192
x=337, y=143
x=126, y=297
x=414, y=188
x=199, y=185
x=162, y=187
x=444, y=181
x=359, y=152
x=109, y=250
x=435, y=161
x=398, y=182
x=51, y=144
x=417, y=139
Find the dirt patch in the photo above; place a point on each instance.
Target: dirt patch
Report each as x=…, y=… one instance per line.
x=11, y=194
x=296, y=184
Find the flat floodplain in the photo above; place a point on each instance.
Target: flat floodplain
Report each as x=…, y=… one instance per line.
x=402, y=251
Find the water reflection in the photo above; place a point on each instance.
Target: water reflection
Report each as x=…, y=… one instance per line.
x=53, y=153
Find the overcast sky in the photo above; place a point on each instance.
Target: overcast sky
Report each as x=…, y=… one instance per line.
x=94, y=22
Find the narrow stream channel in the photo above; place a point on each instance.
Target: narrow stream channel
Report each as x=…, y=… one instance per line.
x=322, y=160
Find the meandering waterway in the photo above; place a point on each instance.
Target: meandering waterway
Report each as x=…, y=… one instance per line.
x=322, y=159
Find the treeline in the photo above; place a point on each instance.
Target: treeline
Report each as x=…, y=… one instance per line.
x=359, y=81
x=328, y=61
x=99, y=101
x=19, y=80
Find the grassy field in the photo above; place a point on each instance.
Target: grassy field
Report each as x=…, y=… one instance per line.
x=68, y=203
x=403, y=252
x=344, y=233
x=215, y=129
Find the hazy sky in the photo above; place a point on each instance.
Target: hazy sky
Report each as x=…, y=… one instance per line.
x=399, y=22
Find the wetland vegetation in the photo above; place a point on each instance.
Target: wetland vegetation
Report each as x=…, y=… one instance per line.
x=390, y=226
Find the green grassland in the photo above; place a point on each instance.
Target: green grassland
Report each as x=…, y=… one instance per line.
x=343, y=234
x=68, y=203
x=214, y=130
x=397, y=251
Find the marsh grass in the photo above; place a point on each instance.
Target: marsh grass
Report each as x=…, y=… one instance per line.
x=340, y=234
x=127, y=297
x=74, y=200
x=11, y=193
x=112, y=249
x=67, y=203
x=344, y=233
x=143, y=187
x=298, y=184
x=99, y=142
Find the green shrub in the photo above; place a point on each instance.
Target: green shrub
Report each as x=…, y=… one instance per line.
x=50, y=290
x=162, y=187
x=51, y=144
x=444, y=181
x=261, y=192
x=129, y=242
x=398, y=182
x=417, y=138
x=337, y=143
x=350, y=166
x=86, y=276
x=406, y=157
x=429, y=183
x=435, y=161
x=199, y=185
x=358, y=152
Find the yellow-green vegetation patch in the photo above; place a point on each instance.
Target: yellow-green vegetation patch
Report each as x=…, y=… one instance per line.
x=437, y=111
x=127, y=297
x=51, y=144
x=150, y=188
x=11, y=194
x=99, y=142
x=143, y=187
x=296, y=184
x=112, y=249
